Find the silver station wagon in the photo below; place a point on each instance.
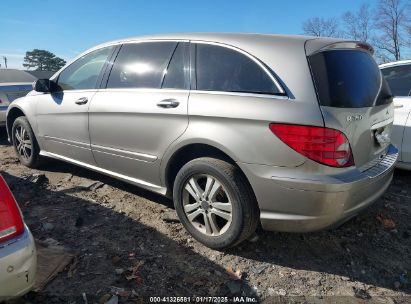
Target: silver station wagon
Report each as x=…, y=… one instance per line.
x=289, y=132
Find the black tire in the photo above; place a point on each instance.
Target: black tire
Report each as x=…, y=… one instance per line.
x=244, y=213
x=34, y=159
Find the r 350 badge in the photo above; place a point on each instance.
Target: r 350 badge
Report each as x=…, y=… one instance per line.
x=354, y=117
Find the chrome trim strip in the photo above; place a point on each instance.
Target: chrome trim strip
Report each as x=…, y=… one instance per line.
x=385, y=164
x=257, y=61
x=113, y=43
x=241, y=94
x=68, y=142
x=148, y=90
x=71, y=145
x=142, y=156
x=383, y=123
x=144, y=90
x=68, y=92
x=122, y=156
x=156, y=188
x=133, y=41
x=268, y=215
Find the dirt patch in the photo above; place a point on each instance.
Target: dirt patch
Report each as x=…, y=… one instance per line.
x=130, y=244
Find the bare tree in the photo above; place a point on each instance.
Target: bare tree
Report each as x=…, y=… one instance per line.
x=391, y=19
x=321, y=27
x=358, y=25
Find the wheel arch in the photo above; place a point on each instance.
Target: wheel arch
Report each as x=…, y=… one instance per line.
x=189, y=151
x=12, y=114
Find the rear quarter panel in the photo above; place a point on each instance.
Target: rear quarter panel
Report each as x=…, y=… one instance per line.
x=238, y=125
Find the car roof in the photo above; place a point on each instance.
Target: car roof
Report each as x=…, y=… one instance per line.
x=252, y=43
x=395, y=63
x=245, y=41
x=228, y=38
x=217, y=37
x=15, y=76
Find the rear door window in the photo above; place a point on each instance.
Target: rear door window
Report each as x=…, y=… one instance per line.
x=399, y=79
x=176, y=76
x=141, y=65
x=348, y=79
x=223, y=69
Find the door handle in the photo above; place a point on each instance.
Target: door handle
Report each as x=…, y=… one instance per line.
x=168, y=103
x=398, y=106
x=81, y=101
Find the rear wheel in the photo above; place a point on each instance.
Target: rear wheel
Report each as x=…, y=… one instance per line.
x=25, y=143
x=215, y=202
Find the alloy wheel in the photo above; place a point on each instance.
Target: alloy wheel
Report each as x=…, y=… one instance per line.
x=23, y=142
x=207, y=205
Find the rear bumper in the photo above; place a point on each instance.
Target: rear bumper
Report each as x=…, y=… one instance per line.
x=18, y=262
x=292, y=200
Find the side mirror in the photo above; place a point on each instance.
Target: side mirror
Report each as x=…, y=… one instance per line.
x=45, y=86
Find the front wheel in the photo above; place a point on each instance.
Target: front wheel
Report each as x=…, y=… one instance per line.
x=25, y=143
x=215, y=203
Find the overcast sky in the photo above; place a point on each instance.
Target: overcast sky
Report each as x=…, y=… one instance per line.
x=67, y=28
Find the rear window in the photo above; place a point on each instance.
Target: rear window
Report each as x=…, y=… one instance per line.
x=348, y=79
x=222, y=69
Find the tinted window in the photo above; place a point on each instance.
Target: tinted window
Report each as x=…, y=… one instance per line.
x=141, y=65
x=13, y=92
x=223, y=69
x=175, y=76
x=16, y=87
x=347, y=79
x=84, y=72
x=399, y=79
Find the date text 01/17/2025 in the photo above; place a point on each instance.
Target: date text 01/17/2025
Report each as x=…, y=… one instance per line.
x=198, y=299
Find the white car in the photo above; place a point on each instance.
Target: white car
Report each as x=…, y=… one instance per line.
x=13, y=84
x=18, y=259
x=398, y=76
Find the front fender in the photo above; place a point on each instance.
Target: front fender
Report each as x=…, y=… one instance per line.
x=25, y=106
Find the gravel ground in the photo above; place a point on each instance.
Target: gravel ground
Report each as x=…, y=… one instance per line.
x=130, y=244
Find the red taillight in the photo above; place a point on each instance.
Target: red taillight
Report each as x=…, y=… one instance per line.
x=11, y=223
x=326, y=146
